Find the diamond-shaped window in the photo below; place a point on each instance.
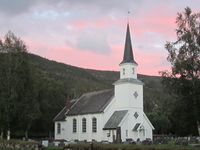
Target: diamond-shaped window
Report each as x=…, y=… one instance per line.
x=135, y=94
x=136, y=115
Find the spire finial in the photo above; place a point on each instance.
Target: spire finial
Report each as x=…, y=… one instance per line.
x=128, y=16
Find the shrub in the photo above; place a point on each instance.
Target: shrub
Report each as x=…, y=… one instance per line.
x=181, y=142
x=147, y=142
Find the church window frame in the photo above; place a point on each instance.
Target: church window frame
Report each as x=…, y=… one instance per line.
x=58, y=128
x=144, y=133
x=133, y=70
x=74, y=125
x=126, y=133
x=84, y=123
x=94, y=124
x=123, y=71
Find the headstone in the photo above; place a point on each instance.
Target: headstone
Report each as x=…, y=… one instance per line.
x=8, y=135
x=45, y=143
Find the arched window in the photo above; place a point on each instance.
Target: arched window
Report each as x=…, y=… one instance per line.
x=123, y=71
x=94, y=124
x=83, y=125
x=74, y=125
x=58, y=128
x=133, y=70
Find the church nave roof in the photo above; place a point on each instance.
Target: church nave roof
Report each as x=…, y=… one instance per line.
x=93, y=102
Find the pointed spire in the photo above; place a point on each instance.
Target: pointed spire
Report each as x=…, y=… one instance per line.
x=128, y=52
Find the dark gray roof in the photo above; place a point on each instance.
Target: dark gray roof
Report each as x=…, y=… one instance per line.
x=128, y=52
x=130, y=80
x=93, y=102
x=115, y=119
x=61, y=115
x=136, y=126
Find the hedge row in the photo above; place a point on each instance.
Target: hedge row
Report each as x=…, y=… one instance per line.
x=97, y=146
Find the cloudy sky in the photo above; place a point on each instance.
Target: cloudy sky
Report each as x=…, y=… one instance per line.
x=91, y=33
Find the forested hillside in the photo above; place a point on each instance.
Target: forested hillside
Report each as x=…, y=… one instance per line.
x=77, y=81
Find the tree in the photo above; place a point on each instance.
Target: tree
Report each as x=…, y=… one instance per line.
x=29, y=96
x=15, y=82
x=160, y=121
x=183, y=80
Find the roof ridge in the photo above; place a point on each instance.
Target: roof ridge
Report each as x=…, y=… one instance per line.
x=97, y=92
x=54, y=119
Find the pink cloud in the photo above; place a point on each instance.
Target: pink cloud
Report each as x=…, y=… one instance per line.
x=158, y=20
x=151, y=63
x=79, y=24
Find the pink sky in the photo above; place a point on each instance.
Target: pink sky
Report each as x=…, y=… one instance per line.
x=91, y=34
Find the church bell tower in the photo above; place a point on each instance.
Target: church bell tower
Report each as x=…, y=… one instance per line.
x=128, y=89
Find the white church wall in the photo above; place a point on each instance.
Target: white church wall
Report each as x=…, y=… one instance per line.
x=121, y=102
x=124, y=94
x=132, y=121
x=124, y=128
x=69, y=135
x=148, y=127
x=108, y=135
x=108, y=111
x=60, y=135
x=89, y=135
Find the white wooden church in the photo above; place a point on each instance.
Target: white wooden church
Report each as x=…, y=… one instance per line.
x=108, y=115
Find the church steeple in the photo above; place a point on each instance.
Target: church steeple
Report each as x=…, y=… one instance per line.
x=128, y=66
x=128, y=52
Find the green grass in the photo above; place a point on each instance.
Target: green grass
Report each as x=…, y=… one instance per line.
x=53, y=148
